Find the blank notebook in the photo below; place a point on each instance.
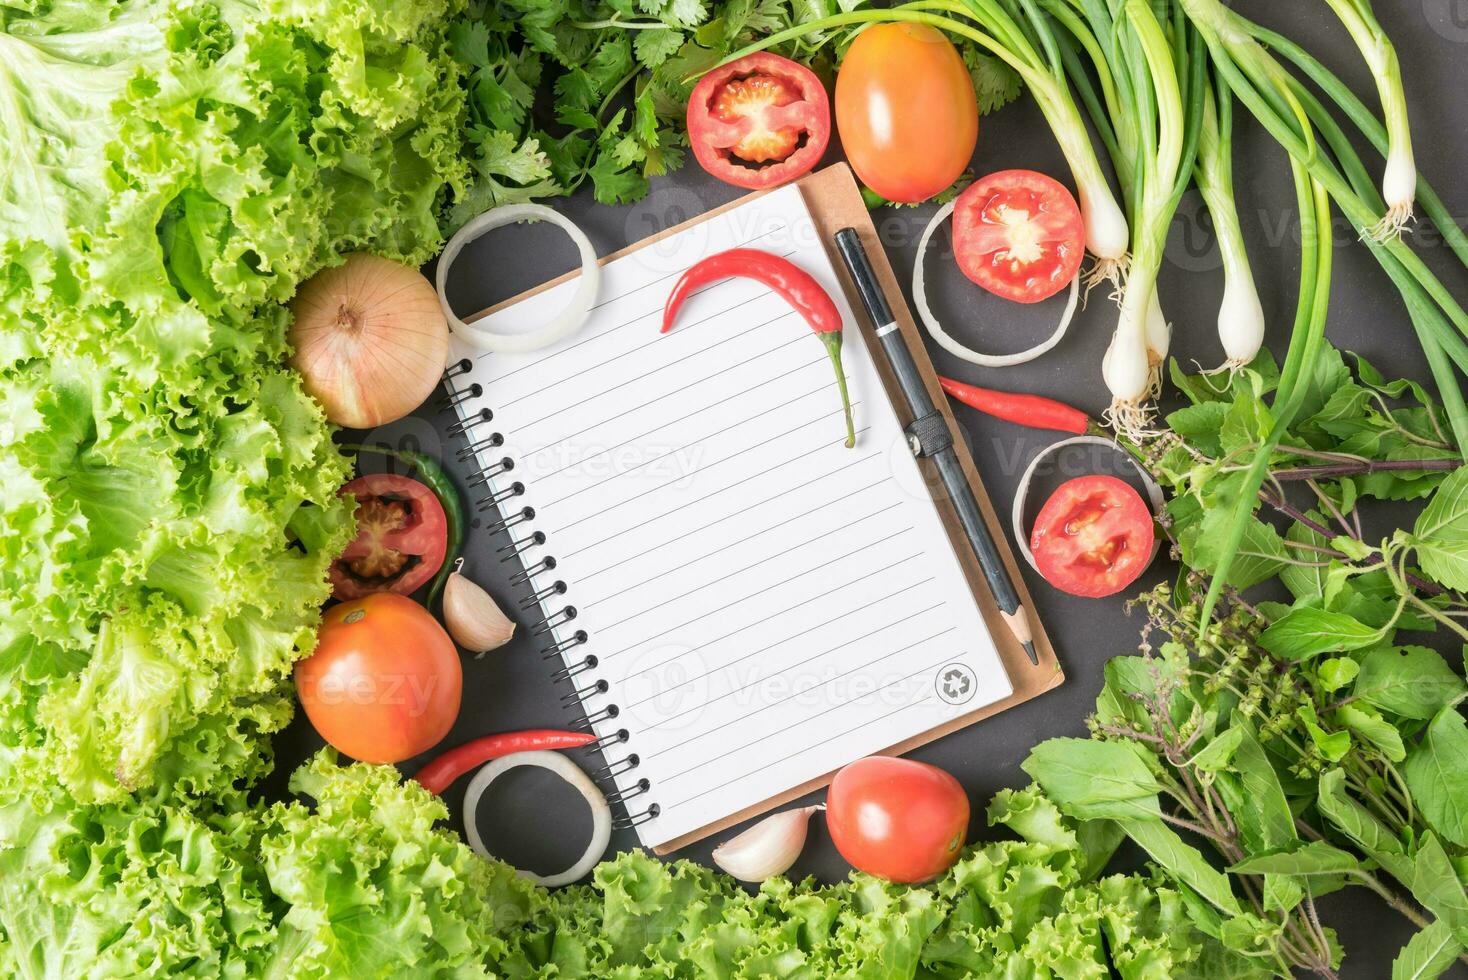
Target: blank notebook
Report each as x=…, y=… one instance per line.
x=742, y=604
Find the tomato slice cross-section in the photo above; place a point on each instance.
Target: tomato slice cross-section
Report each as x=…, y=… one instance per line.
x=759, y=121
x=1019, y=234
x=1093, y=536
x=402, y=535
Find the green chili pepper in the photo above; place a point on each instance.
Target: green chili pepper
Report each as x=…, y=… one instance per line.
x=432, y=476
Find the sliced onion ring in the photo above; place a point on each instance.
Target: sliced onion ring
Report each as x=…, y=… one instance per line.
x=601, y=813
x=565, y=323
x=1155, y=496
x=920, y=300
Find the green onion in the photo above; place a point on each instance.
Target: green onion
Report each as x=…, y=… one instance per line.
x=1240, y=314
x=1399, y=180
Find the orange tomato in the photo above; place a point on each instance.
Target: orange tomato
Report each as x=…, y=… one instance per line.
x=906, y=111
x=384, y=682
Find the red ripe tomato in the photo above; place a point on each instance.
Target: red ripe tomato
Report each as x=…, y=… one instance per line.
x=384, y=682
x=759, y=121
x=906, y=111
x=1019, y=234
x=897, y=819
x=1093, y=536
x=402, y=535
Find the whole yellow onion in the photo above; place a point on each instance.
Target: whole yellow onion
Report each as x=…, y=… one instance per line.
x=370, y=340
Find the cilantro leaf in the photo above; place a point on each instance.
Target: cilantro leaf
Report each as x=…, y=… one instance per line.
x=995, y=83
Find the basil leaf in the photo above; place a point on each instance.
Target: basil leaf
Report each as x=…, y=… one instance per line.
x=1374, y=729
x=1183, y=861
x=1428, y=954
x=1199, y=425
x=1435, y=884
x=1368, y=833
x=1091, y=780
x=1306, y=632
x=1314, y=858
x=1441, y=532
x=1438, y=778
x=1411, y=681
x=1337, y=672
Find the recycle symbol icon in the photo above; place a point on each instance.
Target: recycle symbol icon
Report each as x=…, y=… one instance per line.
x=956, y=683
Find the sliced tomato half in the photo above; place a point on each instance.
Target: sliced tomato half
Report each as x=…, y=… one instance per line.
x=759, y=121
x=402, y=535
x=1093, y=536
x=1019, y=234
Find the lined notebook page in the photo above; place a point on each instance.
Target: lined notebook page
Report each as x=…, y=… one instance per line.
x=763, y=604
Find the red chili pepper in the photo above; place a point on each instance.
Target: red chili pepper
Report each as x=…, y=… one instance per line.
x=440, y=773
x=1035, y=411
x=793, y=283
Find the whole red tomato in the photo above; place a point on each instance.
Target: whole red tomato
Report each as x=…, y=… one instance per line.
x=384, y=682
x=906, y=111
x=897, y=819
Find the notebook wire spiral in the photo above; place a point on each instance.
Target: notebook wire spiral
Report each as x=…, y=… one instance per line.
x=591, y=696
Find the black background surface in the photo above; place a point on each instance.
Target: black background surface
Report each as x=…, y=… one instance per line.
x=533, y=820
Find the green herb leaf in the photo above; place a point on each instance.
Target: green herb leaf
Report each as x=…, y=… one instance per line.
x=1336, y=672
x=1089, y=779
x=1428, y=954
x=1200, y=424
x=1312, y=858
x=1184, y=862
x=1435, y=884
x=1357, y=823
x=1307, y=632
x=1332, y=745
x=1305, y=582
x=1218, y=753
x=1411, y=681
x=1370, y=726
x=1437, y=775
x=1441, y=533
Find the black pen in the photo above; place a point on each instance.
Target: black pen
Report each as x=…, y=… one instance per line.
x=930, y=437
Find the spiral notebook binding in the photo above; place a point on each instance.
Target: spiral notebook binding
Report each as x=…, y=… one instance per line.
x=587, y=687
x=560, y=647
x=482, y=478
x=518, y=546
x=571, y=670
x=524, y=575
x=491, y=441
x=536, y=598
x=630, y=792
x=636, y=819
x=515, y=489
x=468, y=422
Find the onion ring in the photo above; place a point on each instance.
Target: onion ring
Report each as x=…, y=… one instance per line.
x=565, y=323
x=920, y=300
x=1155, y=496
x=601, y=813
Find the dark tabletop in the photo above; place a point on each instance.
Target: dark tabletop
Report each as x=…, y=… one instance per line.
x=535, y=821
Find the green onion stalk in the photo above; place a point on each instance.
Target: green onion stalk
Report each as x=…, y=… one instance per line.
x=1263, y=85
x=1399, y=179
x=1306, y=339
x=988, y=25
x=1133, y=363
x=1368, y=124
x=1134, y=105
x=1240, y=314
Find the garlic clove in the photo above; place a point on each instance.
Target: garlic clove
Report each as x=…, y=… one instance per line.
x=768, y=848
x=472, y=618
